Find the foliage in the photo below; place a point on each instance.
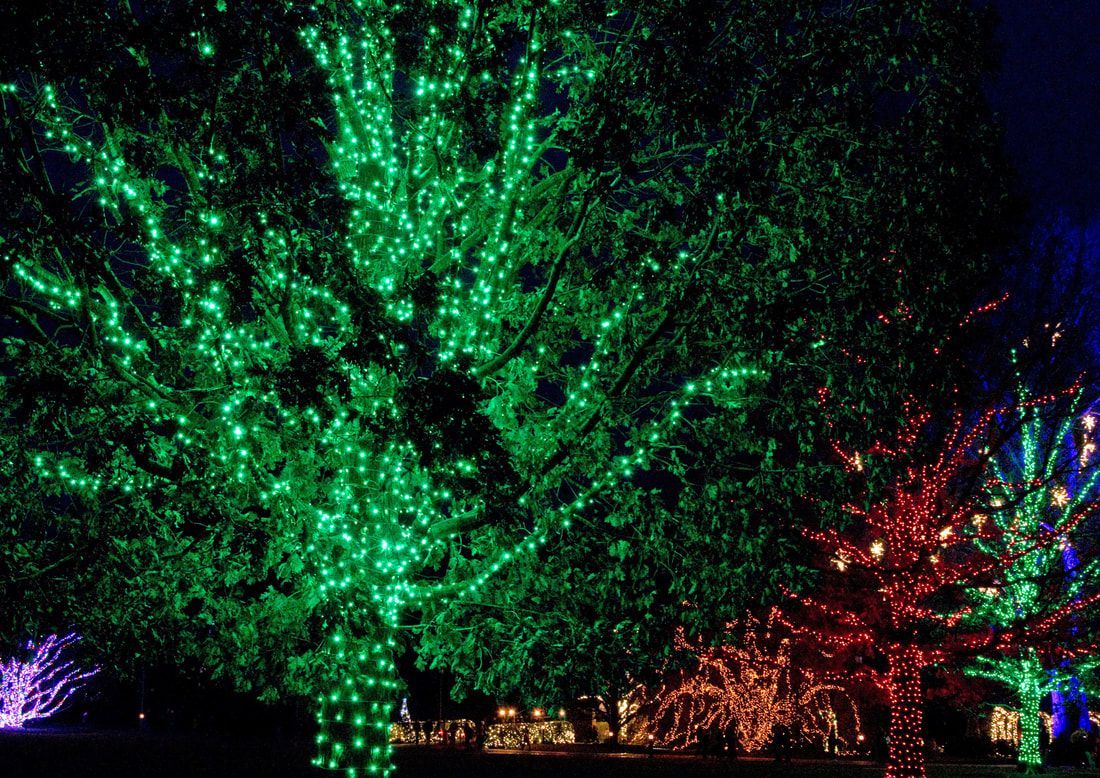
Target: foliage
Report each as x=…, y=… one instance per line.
x=316, y=315
x=884, y=272
x=591, y=624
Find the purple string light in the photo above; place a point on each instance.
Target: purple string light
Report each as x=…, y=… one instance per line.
x=40, y=686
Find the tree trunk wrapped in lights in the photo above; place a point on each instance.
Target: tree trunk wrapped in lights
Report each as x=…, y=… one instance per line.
x=895, y=586
x=1028, y=691
x=903, y=683
x=354, y=716
x=318, y=314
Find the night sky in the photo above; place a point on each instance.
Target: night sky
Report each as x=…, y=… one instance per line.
x=1048, y=96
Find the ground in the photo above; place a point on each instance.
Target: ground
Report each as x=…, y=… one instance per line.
x=89, y=754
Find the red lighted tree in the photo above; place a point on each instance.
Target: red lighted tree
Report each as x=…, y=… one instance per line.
x=893, y=585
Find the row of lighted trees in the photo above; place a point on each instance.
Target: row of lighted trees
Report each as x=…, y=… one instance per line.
x=319, y=316
x=962, y=558
x=965, y=560
x=968, y=557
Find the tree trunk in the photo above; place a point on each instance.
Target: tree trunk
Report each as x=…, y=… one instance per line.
x=354, y=717
x=611, y=701
x=906, y=759
x=1030, y=754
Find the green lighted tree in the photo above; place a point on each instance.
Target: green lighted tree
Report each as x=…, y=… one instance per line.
x=319, y=314
x=1041, y=479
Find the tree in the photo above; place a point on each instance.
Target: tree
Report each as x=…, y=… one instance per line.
x=753, y=682
x=41, y=686
x=1051, y=461
x=894, y=585
x=320, y=314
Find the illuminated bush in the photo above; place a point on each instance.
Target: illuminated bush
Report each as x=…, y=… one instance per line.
x=508, y=735
x=40, y=686
x=754, y=684
x=511, y=735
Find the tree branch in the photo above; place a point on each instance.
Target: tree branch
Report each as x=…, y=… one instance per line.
x=500, y=360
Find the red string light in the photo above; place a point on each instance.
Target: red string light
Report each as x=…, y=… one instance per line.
x=892, y=585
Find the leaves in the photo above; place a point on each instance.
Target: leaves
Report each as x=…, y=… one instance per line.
x=251, y=295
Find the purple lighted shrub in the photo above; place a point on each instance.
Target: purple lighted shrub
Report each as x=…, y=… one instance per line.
x=39, y=687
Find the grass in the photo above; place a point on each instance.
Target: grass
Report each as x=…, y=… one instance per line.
x=121, y=754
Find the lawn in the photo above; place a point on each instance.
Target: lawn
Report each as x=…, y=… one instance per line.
x=113, y=754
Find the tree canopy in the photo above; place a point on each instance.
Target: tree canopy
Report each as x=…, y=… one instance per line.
x=317, y=315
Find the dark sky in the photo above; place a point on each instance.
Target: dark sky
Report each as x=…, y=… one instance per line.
x=1048, y=94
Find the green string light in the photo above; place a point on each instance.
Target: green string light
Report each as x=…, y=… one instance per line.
x=1041, y=484
x=276, y=410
